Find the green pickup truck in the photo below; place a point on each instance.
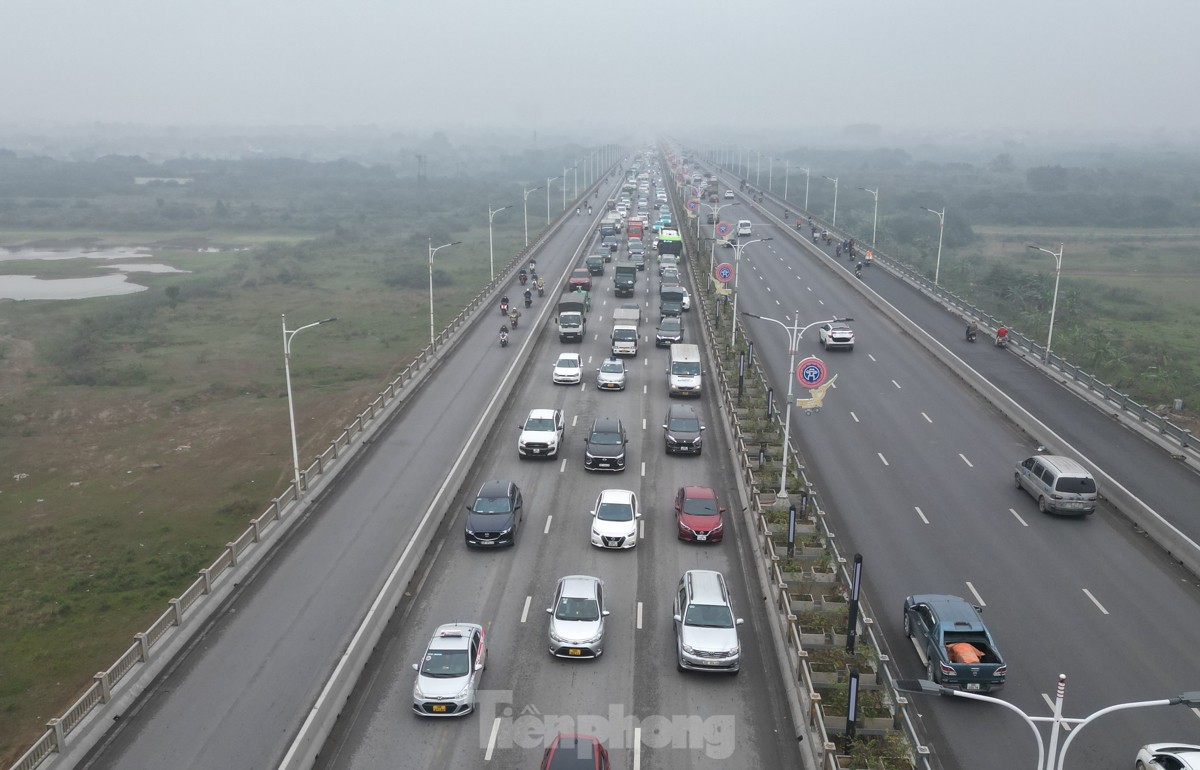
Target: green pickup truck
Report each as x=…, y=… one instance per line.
x=953, y=642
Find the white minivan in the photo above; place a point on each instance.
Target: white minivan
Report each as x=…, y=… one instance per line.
x=683, y=373
x=743, y=227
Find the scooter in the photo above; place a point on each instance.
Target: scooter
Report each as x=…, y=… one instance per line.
x=528, y=300
x=1002, y=342
x=971, y=334
x=503, y=307
x=858, y=270
x=504, y=339
x=541, y=290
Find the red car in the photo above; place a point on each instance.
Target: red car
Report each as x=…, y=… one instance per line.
x=580, y=279
x=698, y=516
x=575, y=752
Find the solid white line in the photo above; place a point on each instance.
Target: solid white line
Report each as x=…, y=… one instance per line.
x=965, y=460
x=1014, y=513
x=978, y=599
x=639, y=616
x=881, y=457
x=549, y=519
x=921, y=515
x=927, y=418
x=641, y=529
x=643, y=423
x=1196, y=712
x=525, y=612
x=637, y=748
x=896, y=384
x=1099, y=606
x=870, y=356
x=492, y=740
x=562, y=467
x=820, y=302
x=644, y=391
x=855, y=416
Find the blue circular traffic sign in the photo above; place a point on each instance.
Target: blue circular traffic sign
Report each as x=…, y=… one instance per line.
x=725, y=272
x=811, y=372
x=693, y=204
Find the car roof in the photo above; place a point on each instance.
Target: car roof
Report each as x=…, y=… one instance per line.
x=952, y=610
x=572, y=356
x=699, y=493
x=607, y=424
x=579, y=586
x=566, y=746
x=453, y=636
x=495, y=488
x=578, y=270
x=617, y=496
x=539, y=413
x=681, y=410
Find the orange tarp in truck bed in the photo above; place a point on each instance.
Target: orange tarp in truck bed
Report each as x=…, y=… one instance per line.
x=961, y=652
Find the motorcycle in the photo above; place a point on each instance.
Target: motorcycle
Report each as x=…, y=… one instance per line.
x=522, y=277
x=512, y=320
x=504, y=306
x=1001, y=341
x=858, y=270
x=972, y=334
x=541, y=290
x=504, y=338
x=528, y=299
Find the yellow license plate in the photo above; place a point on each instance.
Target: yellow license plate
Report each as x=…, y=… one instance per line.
x=439, y=708
x=574, y=652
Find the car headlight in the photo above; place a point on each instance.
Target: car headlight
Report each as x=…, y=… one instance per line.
x=595, y=534
x=735, y=650
x=417, y=694
x=554, y=637
x=594, y=639
x=506, y=531
x=672, y=440
x=689, y=649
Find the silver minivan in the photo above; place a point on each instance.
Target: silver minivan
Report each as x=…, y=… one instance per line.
x=1059, y=484
x=706, y=637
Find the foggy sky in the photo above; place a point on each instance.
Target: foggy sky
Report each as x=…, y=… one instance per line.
x=595, y=66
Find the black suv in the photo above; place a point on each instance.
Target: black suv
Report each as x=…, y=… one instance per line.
x=682, y=430
x=495, y=515
x=605, y=448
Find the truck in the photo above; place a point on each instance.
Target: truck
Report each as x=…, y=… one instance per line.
x=635, y=228
x=625, y=280
x=610, y=224
x=572, y=317
x=953, y=642
x=625, y=331
x=670, y=301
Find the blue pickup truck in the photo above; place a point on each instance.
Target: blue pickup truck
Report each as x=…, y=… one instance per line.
x=953, y=642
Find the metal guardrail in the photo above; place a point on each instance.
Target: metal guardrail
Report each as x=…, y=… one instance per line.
x=56, y=739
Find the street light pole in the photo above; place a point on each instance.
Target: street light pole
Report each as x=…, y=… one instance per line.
x=712, y=249
x=287, y=374
x=548, y=181
x=834, y=179
x=433, y=251
x=770, y=174
x=526, y=194
x=1054, y=303
x=491, y=255
x=875, y=219
x=787, y=168
x=941, y=215
x=806, y=176
x=564, y=190
x=737, y=269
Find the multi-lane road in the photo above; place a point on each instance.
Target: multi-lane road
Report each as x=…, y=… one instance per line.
x=916, y=472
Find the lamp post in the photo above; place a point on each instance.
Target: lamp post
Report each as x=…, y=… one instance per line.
x=806, y=174
x=575, y=177
x=737, y=269
x=1049, y=758
x=770, y=174
x=875, y=219
x=1054, y=303
x=526, y=194
x=937, y=267
x=564, y=191
x=432, y=251
x=491, y=255
x=833, y=179
x=795, y=334
x=548, y=181
x=758, y=169
x=287, y=374
x=712, y=249
x=787, y=168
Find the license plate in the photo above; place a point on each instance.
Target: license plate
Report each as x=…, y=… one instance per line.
x=536, y=451
x=487, y=542
x=973, y=686
x=439, y=708
x=574, y=651
x=701, y=537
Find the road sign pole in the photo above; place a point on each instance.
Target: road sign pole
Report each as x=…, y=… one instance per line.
x=793, y=343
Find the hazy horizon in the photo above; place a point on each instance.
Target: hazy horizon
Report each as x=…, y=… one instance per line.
x=758, y=67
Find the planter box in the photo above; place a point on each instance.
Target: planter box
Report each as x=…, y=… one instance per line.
x=824, y=673
x=817, y=575
x=813, y=640
x=834, y=723
x=799, y=602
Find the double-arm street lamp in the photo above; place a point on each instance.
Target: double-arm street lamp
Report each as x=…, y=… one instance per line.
x=806, y=179
x=1053, y=303
x=833, y=179
x=941, y=215
x=526, y=193
x=875, y=219
x=712, y=249
x=548, y=181
x=737, y=271
x=1049, y=757
x=434, y=250
x=287, y=374
x=491, y=255
x=795, y=334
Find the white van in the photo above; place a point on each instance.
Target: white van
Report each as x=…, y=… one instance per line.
x=1059, y=484
x=683, y=373
x=743, y=227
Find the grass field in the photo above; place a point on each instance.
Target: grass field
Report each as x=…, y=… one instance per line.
x=140, y=433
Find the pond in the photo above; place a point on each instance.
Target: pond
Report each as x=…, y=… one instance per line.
x=30, y=287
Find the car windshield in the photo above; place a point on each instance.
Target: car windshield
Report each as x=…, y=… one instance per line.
x=690, y=424
x=568, y=362
x=686, y=368
x=445, y=664
x=614, y=512
x=539, y=423
x=700, y=506
x=605, y=438
x=576, y=608
x=491, y=505
x=669, y=324
x=612, y=367
x=709, y=616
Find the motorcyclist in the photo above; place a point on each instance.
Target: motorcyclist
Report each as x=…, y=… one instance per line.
x=576, y=211
x=541, y=283
x=858, y=269
x=532, y=265
x=972, y=330
x=513, y=315
x=1002, y=337
x=504, y=304
x=528, y=298
x=503, y=334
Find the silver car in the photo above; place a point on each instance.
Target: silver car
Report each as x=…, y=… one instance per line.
x=577, y=617
x=448, y=677
x=611, y=375
x=705, y=629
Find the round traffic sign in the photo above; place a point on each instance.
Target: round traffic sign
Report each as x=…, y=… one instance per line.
x=723, y=228
x=811, y=372
x=725, y=272
x=693, y=204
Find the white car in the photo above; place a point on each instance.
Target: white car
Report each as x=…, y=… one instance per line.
x=837, y=335
x=687, y=299
x=1168, y=756
x=615, y=519
x=728, y=194
x=568, y=369
x=541, y=433
x=448, y=676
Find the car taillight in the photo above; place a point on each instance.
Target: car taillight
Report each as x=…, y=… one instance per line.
x=947, y=669
x=1002, y=670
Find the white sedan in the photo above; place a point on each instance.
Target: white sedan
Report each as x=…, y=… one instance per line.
x=615, y=519
x=1168, y=756
x=568, y=369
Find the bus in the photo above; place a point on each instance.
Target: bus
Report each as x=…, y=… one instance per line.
x=669, y=242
